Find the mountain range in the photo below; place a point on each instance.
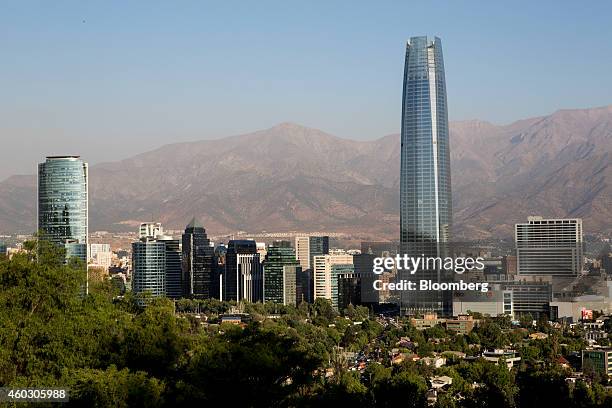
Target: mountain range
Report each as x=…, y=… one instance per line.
x=294, y=178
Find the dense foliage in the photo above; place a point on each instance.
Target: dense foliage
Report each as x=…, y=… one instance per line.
x=112, y=353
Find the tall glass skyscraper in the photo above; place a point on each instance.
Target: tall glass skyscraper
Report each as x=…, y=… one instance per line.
x=280, y=274
x=199, y=264
x=149, y=267
x=174, y=281
x=242, y=278
x=63, y=203
x=425, y=185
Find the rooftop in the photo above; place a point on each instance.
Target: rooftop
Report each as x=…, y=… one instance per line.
x=62, y=157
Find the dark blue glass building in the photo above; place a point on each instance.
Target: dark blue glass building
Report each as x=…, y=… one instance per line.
x=242, y=277
x=425, y=185
x=281, y=272
x=199, y=264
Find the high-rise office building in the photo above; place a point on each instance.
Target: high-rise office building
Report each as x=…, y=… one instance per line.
x=326, y=269
x=349, y=289
x=63, y=203
x=199, y=266
x=305, y=286
x=149, y=267
x=551, y=247
x=346, y=286
x=302, y=251
x=306, y=248
x=2, y=249
x=281, y=272
x=425, y=184
x=242, y=277
x=317, y=245
x=99, y=256
x=156, y=263
x=174, y=273
x=94, y=249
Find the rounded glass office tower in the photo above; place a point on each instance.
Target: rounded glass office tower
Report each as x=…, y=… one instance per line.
x=63, y=202
x=425, y=184
x=149, y=267
x=425, y=187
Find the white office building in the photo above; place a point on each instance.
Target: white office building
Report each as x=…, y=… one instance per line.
x=552, y=247
x=326, y=270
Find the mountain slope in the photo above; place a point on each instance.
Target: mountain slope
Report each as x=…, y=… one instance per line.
x=291, y=177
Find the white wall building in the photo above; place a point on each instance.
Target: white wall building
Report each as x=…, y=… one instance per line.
x=324, y=280
x=302, y=251
x=549, y=246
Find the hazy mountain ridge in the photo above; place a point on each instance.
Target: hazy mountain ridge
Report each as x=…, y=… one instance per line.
x=290, y=177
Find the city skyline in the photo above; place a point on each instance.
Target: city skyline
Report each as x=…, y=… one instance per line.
x=289, y=266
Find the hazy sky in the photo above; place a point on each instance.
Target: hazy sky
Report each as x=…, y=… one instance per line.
x=115, y=78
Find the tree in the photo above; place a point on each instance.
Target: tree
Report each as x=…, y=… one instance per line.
x=322, y=311
x=539, y=388
x=497, y=387
x=114, y=388
x=406, y=389
x=491, y=336
x=154, y=342
x=253, y=366
x=345, y=390
x=526, y=320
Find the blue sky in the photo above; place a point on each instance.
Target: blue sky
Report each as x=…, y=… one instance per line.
x=111, y=79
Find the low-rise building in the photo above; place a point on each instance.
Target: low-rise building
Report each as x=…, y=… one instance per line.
x=538, y=336
x=595, y=335
x=435, y=362
x=440, y=381
x=428, y=321
x=463, y=324
x=509, y=356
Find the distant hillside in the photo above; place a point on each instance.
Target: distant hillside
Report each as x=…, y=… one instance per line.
x=291, y=177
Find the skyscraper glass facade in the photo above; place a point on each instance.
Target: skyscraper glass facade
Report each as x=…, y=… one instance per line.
x=425, y=185
x=199, y=265
x=149, y=267
x=280, y=270
x=339, y=271
x=318, y=245
x=242, y=276
x=174, y=287
x=63, y=202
